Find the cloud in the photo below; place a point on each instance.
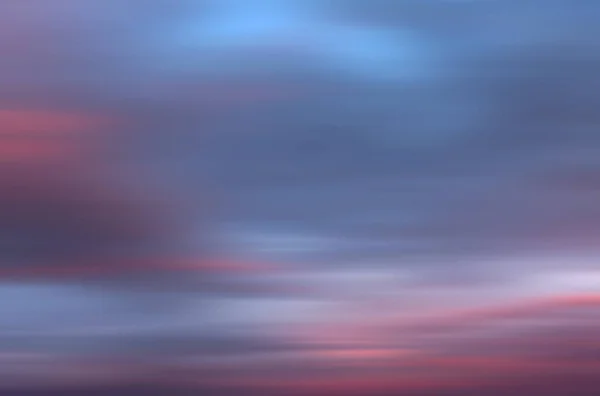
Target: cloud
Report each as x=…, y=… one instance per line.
x=416, y=210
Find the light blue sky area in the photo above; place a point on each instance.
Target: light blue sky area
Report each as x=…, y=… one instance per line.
x=362, y=51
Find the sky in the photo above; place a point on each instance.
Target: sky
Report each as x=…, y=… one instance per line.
x=301, y=197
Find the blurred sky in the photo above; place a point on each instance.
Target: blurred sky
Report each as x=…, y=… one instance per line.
x=358, y=196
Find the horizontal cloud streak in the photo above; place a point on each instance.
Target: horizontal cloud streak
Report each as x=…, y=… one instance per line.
x=284, y=197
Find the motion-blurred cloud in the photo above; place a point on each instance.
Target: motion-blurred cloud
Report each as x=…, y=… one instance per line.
x=300, y=197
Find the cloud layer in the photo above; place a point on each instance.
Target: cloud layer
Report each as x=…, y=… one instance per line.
x=288, y=197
